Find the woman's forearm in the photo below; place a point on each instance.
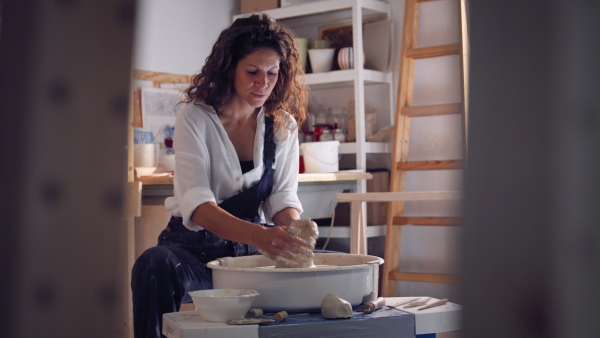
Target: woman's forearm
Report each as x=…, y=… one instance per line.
x=221, y=223
x=272, y=241
x=286, y=216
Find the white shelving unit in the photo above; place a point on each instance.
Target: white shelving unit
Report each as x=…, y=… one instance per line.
x=327, y=12
x=309, y=17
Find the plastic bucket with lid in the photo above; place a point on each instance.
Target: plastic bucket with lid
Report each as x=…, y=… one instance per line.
x=320, y=157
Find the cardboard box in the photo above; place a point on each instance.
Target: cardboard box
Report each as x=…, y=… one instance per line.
x=249, y=6
x=377, y=211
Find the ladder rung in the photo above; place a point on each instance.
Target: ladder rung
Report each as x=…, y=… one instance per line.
x=422, y=277
x=434, y=51
x=432, y=110
x=400, y=220
x=430, y=165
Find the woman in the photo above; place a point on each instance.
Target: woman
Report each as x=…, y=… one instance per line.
x=236, y=151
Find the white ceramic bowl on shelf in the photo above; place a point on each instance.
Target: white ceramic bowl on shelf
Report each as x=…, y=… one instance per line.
x=321, y=60
x=221, y=305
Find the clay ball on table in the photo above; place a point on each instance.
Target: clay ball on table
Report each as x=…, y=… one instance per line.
x=333, y=307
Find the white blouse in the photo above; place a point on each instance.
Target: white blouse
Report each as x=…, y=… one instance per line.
x=207, y=168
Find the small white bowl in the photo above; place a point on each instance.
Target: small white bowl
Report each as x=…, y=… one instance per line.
x=321, y=60
x=221, y=305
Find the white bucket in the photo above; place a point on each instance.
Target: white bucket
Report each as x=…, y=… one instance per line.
x=320, y=157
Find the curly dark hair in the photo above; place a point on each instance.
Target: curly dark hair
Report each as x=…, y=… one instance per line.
x=215, y=84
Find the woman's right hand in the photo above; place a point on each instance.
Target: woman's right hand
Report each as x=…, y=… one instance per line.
x=277, y=241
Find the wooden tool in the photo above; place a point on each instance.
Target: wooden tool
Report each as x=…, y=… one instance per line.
x=249, y=321
x=373, y=305
x=418, y=303
x=404, y=303
x=254, y=313
x=277, y=318
x=280, y=316
x=434, y=304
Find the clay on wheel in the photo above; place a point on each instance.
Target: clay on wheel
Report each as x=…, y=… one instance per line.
x=306, y=230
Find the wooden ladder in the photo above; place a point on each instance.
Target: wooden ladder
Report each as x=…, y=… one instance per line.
x=400, y=164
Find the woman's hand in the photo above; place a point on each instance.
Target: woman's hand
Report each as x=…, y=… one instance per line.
x=277, y=241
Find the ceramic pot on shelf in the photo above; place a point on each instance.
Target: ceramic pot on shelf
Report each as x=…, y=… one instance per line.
x=345, y=58
x=321, y=60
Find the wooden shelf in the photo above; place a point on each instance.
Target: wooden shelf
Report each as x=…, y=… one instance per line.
x=167, y=178
x=326, y=11
x=345, y=78
x=156, y=179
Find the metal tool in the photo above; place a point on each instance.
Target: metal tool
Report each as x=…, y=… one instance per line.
x=371, y=306
x=434, y=304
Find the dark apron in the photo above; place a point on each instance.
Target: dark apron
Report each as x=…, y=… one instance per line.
x=244, y=205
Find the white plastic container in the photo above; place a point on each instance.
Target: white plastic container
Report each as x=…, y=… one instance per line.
x=321, y=157
x=353, y=278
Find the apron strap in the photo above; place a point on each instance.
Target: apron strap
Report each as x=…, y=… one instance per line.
x=269, y=144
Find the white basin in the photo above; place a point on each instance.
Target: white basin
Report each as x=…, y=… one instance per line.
x=351, y=277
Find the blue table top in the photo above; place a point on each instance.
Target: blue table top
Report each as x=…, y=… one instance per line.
x=382, y=322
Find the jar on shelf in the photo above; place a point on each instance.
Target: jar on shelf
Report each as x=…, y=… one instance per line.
x=339, y=135
x=337, y=117
x=320, y=116
x=327, y=136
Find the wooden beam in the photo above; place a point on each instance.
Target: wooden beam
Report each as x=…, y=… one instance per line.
x=157, y=77
x=358, y=237
x=435, y=51
x=430, y=165
x=399, y=196
x=399, y=220
x=422, y=277
x=432, y=110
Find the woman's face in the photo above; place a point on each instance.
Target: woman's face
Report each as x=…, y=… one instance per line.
x=255, y=77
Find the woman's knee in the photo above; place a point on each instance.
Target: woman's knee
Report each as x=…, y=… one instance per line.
x=156, y=259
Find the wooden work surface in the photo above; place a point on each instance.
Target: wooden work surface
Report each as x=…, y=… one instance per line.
x=167, y=178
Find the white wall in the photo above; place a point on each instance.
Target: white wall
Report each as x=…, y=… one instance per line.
x=176, y=36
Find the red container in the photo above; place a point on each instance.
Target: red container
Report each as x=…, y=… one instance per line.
x=301, y=169
x=319, y=130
